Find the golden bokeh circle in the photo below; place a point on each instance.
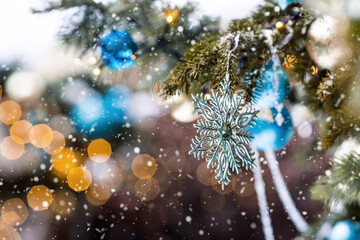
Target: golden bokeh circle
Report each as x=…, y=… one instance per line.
x=101, y=189
x=94, y=201
x=204, y=174
x=227, y=188
x=79, y=179
x=64, y=161
x=144, y=166
x=14, y=212
x=11, y=149
x=99, y=150
x=19, y=131
x=64, y=203
x=41, y=135
x=57, y=144
x=147, y=189
x=39, y=198
x=7, y=232
x=10, y=112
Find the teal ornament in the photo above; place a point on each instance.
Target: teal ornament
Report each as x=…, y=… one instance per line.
x=116, y=103
x=345, y=230
x=283, y=4
x=118, y=49
x=274, y=87
x=88, y=115
x=268, y=133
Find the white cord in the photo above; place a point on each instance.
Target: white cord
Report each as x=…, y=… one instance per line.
x=284, y=194
x=262, y=202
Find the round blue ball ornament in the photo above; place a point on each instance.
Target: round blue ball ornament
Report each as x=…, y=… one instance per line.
x=345, y=230
x=117, y=50
x=274, y=88
x=271, y=134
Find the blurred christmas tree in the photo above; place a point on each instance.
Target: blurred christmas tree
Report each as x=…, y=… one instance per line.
x=96, y=136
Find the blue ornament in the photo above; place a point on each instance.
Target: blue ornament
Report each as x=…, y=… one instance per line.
x=117, y=50
x=266, y=95
x=116, y=104
x=88, y=114
x=283, y=4
x=345, y=230
x=268, y=134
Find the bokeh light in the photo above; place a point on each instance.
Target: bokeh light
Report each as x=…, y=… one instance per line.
x=11, y=149
x=39, y=198
x=41, y=135
x=64, y=204
x=57, y=144
x=147, y=189
x=96, y=202
x=23, y=86
x=101, y=190
x=79, y=179
x=109, y=172
x=10, y=112
x=99, y=150
x=14, y=212
x=8, y=233
x=144, y=166
x=227, y=188
x=204, y=174
x=245, y=185
x=171, y=16
x=19, y=131
x=182, y=110
x=64, y=161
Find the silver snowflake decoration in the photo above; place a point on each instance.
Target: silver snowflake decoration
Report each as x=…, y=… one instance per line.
x=223, y=132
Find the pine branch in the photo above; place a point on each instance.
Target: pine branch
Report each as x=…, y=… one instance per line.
x=341, y=184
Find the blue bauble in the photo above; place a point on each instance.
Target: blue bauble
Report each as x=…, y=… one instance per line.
x=283, y=4
x=116, y=104
x=266, y=96
x=88, y=114
x=345, y=230
x=117, y=50
x=268, y=135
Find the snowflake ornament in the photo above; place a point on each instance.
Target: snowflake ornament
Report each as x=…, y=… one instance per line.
x=223, y=132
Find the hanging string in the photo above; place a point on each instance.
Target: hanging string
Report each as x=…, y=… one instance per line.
x=262, y=202
x=227, y=76
x=284, y=194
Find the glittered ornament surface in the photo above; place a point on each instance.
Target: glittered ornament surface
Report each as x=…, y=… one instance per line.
x=268, y=133
x=117, y=50
x=345, y=230
x=274, y=88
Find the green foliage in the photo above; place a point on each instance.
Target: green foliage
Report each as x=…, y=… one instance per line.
x=88, y=21
x=204, y=66
x=341, y=184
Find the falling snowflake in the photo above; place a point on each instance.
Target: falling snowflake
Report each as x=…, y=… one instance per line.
x=223, y=132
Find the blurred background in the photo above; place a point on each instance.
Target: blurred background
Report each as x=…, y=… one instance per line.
x=63, y=113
